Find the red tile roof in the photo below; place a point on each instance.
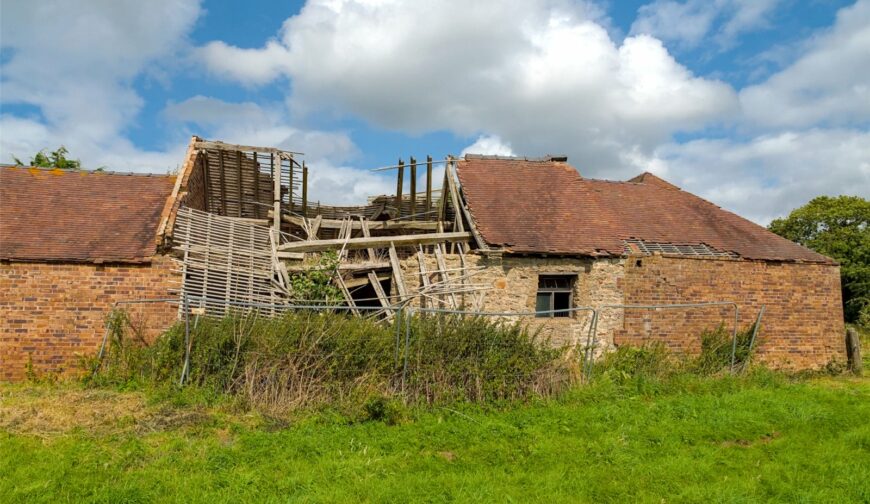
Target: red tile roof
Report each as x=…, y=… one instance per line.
x=544, y=206
x=79, y=216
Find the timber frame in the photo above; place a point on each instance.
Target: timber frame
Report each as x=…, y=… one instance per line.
x=241, y=225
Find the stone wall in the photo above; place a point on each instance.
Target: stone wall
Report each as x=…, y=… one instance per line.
x=52, y=313
x=512, y=284
x=802, y=327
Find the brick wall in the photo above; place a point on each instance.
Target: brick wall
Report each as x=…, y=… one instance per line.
x=50, y=314
x=802, y=327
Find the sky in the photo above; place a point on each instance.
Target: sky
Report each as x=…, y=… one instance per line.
x=755, y=105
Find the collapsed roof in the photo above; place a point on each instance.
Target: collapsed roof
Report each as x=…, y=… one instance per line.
x=80, y=216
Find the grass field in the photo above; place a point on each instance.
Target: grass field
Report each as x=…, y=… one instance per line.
x=760, y=438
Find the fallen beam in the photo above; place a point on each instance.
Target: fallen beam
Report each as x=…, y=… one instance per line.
x=375, y=242
x=372, y=225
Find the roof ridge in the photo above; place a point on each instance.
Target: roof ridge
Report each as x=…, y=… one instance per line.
x=87, y=172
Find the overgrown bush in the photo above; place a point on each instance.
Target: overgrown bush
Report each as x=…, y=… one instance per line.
x=320, y=358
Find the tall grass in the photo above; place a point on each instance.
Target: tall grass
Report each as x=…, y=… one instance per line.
x=309, y=359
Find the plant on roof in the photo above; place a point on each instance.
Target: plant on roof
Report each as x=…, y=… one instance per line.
x=838, y=227
x=54, y=159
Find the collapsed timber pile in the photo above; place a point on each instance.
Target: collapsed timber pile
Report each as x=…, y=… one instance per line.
x=243, y=225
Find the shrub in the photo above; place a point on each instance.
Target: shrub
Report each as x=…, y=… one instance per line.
x=307, y=359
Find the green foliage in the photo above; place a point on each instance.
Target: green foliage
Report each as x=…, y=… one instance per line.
x=314, y=286
x=310, y=359
x=54, y=159
x=839, y=228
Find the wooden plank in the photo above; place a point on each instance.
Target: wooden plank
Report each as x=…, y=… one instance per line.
x=304, y=189
x=424, y=275
x=379, y=289
x=345, y=266
x=372, y=225
x=445, y=277
x=353, y=283
x=290, y=187
x=276, y=191
x=375, y=242
x=442, y=201
x=413, y=189
x=315, y=227
x=365, y=232
x=257, y=210
x=347, y=297
x=399, y=187
x=239, y=171
x=205, y=144
x=428, y=185
x=207, y=183
x=397, y=273
x=223, y=183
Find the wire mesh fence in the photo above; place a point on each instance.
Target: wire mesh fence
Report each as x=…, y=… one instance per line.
x=412, y=328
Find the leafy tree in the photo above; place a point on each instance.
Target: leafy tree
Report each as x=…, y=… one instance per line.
x=839, y=228
x=315, y=286
x=54, y=159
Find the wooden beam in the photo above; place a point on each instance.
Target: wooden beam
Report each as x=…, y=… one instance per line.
x=239, y=171
x=365, y=232
x=345, y=266
x=375, y=242
x=399, y=187
x=372, y=225
x=413, y=189
x=223, y=183
x=428, y=184
x=481, y=244
x=359, y=282
x=347, y=297
x=257, y=210
x=397, y=273
x=445, y=278
x=276, y=191
x=304, y=189
x=205, y=144
x=290, y=187
x=207, y=185
x=379, y=289
x=315, y=227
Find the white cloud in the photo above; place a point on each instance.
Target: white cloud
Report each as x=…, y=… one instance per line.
x=689, y=22
x=769, y=175
x=829, y=84
x=543, y=75
x=74, y=61
x=489, y=145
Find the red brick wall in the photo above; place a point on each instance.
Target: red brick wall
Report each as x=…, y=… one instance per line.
x=802, y=327
x=50, y=314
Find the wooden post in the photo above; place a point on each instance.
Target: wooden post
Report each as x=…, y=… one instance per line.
x=241, y=195
x=223, y=183
x=428, y=185
x=207, y=185
x=276, y=193
x=413, y=189
x=304, y=190
x=399, y=187
x=853, y=351
x=257, y=199
x=290, y=186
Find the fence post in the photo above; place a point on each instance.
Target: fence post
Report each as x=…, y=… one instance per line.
x=186, y=306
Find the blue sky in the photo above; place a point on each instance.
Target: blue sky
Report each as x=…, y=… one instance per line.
x=756, y=105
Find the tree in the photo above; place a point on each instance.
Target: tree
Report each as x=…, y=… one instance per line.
x=838, y=228
x=54, y=159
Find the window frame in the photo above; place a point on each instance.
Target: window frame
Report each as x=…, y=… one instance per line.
x=552, y=291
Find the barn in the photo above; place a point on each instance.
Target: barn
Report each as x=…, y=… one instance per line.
x=607, y=262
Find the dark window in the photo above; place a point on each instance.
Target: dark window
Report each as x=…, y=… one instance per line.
x=555, y=292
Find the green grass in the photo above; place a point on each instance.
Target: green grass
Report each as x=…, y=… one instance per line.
x=687, y=439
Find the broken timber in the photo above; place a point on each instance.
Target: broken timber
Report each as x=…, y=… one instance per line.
x=375, y=242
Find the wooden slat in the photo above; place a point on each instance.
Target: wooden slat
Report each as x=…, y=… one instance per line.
x=428, y=184
x=379, y=289
x=397, y=273
x=375, y=242
x=365, y=232
x=445, y=277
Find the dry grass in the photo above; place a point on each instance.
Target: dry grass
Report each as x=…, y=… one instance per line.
x=47, y=411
